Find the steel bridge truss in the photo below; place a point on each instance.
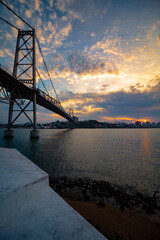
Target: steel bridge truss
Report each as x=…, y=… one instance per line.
x=4, y=95
x=24, y=70
x=24, y=57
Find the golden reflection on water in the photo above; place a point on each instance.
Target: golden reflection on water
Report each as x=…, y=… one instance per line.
x=146, y=147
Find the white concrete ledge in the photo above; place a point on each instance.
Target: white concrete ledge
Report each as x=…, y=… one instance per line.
x=31, y=209
x=20, y=182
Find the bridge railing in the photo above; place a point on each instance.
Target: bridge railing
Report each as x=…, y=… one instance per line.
x=43, y=94
x=50, y=99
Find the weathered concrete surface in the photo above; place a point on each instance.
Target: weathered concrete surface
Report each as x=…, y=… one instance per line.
x=20, y=182
x=44, y=215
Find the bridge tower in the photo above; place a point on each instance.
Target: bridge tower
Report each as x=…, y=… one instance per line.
x=71, y=112
x=24, y=70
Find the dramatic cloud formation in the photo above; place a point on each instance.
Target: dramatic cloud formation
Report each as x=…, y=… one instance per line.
x=103, y=56
x=119, y=105
x=83, y=65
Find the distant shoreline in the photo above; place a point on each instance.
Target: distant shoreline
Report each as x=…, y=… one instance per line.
x=112, y=127
x=87, y=124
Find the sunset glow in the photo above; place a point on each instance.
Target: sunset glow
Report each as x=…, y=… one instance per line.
x=103, y=56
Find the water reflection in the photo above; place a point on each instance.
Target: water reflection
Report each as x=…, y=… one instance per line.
x=146, y=147
x=120, y=156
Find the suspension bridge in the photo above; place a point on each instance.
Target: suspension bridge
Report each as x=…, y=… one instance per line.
x=19, y=87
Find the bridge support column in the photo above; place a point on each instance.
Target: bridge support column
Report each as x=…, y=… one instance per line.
x=9, y=133
x=34, y=133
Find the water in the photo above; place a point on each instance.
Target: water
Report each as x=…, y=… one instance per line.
x=120, y=156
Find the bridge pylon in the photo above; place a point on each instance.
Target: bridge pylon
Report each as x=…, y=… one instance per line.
x=24, y=70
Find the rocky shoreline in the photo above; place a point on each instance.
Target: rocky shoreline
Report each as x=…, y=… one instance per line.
x=103, y=193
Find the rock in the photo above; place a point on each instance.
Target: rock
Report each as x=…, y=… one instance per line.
x=87, y=197
x=101, y=202
x=122, y=207
x=84, y=192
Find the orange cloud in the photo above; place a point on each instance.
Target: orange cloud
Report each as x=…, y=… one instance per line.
x=158, y=38
x=45, y=117
x=37, y=5
x=1, y=53
x=143, y=120
x=91, y=109
x=28, y=13
x=125, y=119
x=9, y=53
x=118, y=118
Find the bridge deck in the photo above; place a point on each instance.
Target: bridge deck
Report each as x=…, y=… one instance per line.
x=22, y=91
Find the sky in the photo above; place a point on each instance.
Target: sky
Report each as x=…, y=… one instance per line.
x=103, y=56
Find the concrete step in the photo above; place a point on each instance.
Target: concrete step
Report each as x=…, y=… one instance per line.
x=48, y=217
x=30, y=209
x=21, y=181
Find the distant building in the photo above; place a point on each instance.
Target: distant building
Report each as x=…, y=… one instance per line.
x=154, y=125
x=138, y=124
x=148, y=124
x=75, y=119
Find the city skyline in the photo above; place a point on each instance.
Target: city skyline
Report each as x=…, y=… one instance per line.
x=103, y=56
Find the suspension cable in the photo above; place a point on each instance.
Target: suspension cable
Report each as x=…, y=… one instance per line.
x=37, y=43
x=9, y=23
x=46, y=67
x=42, y=81
x=16, y=14
x=37, y=72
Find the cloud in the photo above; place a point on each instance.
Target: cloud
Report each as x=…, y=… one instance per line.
x=64, y=18
x=108, y=46
x=83, y=64
x=61, y=34
x=64, y=5
x=8, y=36
x=120, y=105
x=9, y=53
x=15, y=32
x=158, y=36
x=91, y=109
x=53, y=34
x=65, y=31
x=19, y=24
x=152, y=30
x=74, y=15
x=129, y=58
x=93, y=34
x=40, y=36
x=44, y=116
x=1, y=53
x=51, y=3
x=50, y=27
x=28, y=13
x=53, y=16
x=69, y=7
x=91, y=58
x=133, y=105
x=61, y=5
x=111, y=119
x=49, y=38
x=37, y=5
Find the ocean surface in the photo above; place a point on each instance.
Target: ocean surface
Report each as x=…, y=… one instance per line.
x=127, y=157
